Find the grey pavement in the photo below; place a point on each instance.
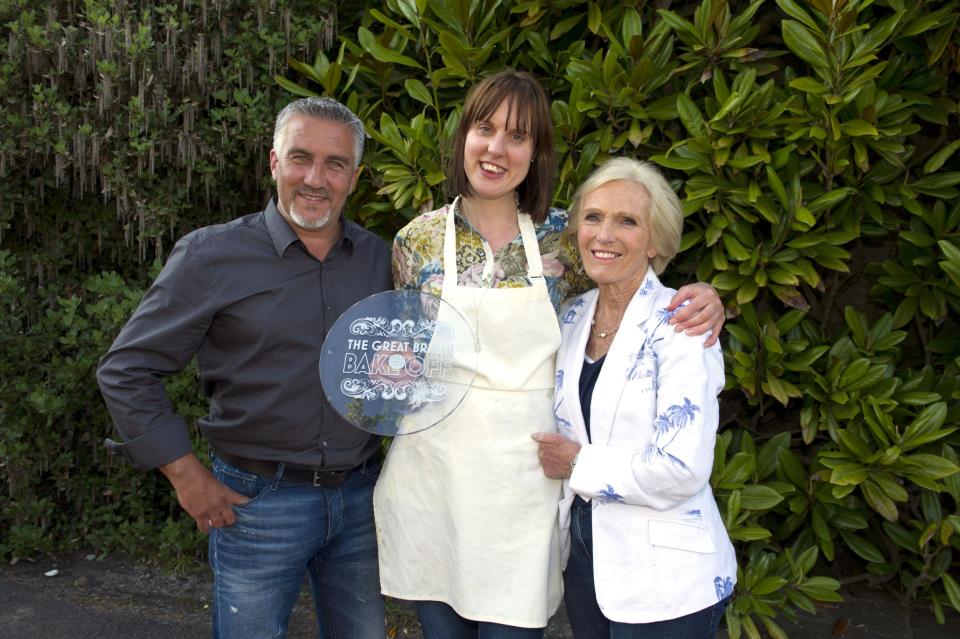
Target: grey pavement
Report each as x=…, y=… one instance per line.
x=112, y=598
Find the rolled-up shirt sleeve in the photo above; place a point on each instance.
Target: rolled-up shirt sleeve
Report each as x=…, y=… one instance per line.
x=160, y=338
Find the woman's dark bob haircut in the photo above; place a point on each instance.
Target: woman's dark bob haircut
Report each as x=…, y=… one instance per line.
x=528, y=110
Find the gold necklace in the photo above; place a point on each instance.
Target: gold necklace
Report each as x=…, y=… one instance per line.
x=602, y=334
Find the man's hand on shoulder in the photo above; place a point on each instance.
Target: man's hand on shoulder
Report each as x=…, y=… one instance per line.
x=209, y=502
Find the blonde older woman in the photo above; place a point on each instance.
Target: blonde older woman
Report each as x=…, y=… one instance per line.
x=636, y=409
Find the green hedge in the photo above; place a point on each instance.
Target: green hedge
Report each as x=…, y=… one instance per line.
x=124, y=125
x=814, y=146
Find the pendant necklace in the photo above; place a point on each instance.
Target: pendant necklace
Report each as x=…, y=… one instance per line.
x=599, y=333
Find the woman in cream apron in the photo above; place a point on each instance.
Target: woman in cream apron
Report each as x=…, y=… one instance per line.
x=464, y=514
x=466, y=521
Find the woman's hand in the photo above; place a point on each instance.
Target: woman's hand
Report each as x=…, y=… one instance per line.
x=556, y=454
x=703, y=313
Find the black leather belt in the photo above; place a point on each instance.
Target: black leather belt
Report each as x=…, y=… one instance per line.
x=319, y=478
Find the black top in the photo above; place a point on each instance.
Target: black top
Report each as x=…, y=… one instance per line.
x=588, y=379
x=254, y=306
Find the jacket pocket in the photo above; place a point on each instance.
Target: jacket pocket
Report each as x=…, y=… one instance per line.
x=680, y=536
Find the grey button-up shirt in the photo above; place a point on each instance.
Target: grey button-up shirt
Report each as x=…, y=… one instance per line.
x=254, y=306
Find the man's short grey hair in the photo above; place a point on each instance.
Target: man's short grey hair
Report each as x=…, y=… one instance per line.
x=322, y=109
x=666, y=211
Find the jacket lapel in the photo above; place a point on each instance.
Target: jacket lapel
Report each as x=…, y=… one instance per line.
x=575, y=328
x=624, y=356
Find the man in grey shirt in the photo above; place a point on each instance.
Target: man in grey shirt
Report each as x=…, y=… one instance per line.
x=292, y=482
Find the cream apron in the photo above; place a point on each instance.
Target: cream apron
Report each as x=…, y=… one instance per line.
x=464, y=512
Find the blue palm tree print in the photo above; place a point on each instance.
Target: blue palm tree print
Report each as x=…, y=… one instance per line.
x=670, y=422
x=675, y=418
x=571, y=315
x=564, y=427
x=654, y=451
x=647, y=288
x=645, y=363
x=723, y=586
x=609, y=495
x=663, y=315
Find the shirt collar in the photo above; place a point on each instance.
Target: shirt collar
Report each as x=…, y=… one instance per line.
x=280, y=231
x=283, y=234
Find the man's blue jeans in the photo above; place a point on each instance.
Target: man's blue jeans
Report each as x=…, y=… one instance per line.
x=289, y=528
x=580, y=596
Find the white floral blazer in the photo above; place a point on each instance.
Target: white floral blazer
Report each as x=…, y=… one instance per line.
x=660, y=550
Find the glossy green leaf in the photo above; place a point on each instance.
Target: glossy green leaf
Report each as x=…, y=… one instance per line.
x=938, y=159
x=821, y=588
x=808, y=85
x=858, y=128
x=926, y=466
x=849, y=475
x=952, y=590
x=749, y=533
x=799, y=40
x=293, y=87
x=690, y=116
x=794, y=10
x=929, y=419
x=768, y=585
x=379, y=16
x=879, y=501
x=759, y=497
x=417, y=90
x=383, y=54
x=862, y=547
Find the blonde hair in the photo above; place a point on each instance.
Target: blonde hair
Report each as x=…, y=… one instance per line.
x=666, y=212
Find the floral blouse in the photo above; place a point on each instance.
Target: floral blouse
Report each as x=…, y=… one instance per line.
x=418, y=257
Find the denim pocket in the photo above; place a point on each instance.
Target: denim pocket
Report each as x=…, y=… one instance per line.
x=250, y=485
x=372, y=469
x=581, y=531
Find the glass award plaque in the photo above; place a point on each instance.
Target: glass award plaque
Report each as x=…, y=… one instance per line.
x=398, y=362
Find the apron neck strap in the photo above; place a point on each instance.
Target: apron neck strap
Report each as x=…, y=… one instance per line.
x=530, y=246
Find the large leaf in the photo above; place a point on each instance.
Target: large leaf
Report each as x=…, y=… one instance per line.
x=801, y=41
x=418, y=91
x=383, y=54
x=933, y=164
x=929, y=419
x=794, y=10
x=759, y=497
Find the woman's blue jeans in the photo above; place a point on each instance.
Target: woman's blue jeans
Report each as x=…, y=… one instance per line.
x=286, y=530
x=440, y=621
x=580, y=597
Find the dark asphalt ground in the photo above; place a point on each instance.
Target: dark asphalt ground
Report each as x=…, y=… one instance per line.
x=112, y=598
